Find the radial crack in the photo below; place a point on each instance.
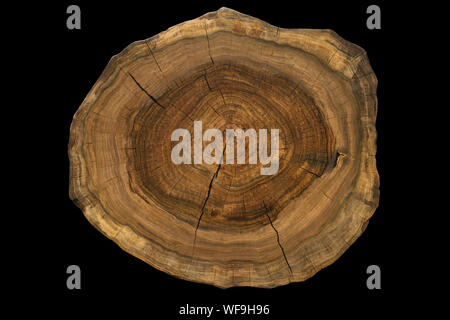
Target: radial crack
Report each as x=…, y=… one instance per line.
x=278, y=239
x=207, y=83
x=148, y=94
x=222, y=96
x=154, y=58
x=209, y=192
x=209, y=48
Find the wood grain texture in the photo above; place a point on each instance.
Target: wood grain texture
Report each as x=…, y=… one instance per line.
x=228, y=225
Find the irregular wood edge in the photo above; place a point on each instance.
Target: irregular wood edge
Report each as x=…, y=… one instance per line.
x=357, y=69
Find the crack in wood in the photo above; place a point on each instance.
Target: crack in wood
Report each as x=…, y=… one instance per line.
x=222, y=97
x=207, y=83
x=215, y=175
x=146, y=92
x=209, y=47
x=278, y=238
x=313, y=173
x=154, y=58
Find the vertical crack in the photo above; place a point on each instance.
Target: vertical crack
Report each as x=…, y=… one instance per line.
x=207, y=82
x=148, y=94
x=154, y=58
x=211, y=89
x=223, y=99
x=209, y=47
x=278, y=239
x=208, y=194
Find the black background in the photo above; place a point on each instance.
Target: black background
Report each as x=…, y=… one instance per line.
x=70, y=63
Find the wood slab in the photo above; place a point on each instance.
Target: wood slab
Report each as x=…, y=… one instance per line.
x=226, y=224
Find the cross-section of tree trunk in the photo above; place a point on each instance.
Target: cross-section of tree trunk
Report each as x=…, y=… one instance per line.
x=227, y=224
